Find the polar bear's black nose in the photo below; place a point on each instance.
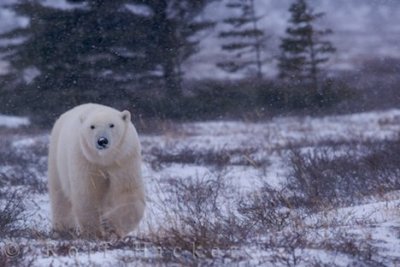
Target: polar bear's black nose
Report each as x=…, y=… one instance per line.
x=102, y=142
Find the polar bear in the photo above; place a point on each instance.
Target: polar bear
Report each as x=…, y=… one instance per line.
x=94, y=170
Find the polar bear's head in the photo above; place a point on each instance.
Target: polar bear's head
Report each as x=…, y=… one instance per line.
x=103, y=133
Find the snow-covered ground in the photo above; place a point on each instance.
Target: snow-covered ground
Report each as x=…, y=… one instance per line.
x=12, y=121
x=246, y=155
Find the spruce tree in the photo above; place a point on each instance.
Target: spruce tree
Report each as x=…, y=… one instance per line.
x=88, y=52
x=175, y=26
x=243, y=39
x=304, y=50
x=97, y=50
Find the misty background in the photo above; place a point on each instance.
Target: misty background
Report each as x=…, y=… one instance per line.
x=363, y=30
x=365, y=65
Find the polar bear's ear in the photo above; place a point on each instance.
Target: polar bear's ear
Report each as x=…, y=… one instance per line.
x=126, y=115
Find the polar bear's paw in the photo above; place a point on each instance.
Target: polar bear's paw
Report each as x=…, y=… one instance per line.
x=109, y=231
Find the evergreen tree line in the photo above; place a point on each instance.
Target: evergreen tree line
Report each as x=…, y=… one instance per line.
x=113, y=52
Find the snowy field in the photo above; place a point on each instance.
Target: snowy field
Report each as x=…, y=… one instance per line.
x=13, y=122
x=223, y=193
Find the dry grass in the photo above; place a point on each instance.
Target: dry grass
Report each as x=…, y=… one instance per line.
x=197, y=223
x=266, y=209
x=11, y=213
x=210, y=157
x=361, y=250
x=204, y=226
x=328, y=177
x=23, y=168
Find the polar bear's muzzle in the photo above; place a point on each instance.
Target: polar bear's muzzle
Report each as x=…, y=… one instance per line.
x=102, y=143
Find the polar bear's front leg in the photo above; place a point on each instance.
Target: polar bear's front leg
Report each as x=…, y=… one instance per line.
x=87, y=216
x=126, y=213
x=85, y=207
x=62, y=218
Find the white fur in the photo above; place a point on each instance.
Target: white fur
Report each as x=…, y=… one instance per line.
x=94, y=190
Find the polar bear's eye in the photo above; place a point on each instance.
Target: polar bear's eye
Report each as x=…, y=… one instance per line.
x=92, y=127
x=111, y=125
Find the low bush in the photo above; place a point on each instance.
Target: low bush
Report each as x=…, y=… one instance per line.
x=25, y=167
x=328, y=177
x=198, y=223
x=266, y=209
x=210, y=157
x=291, y=97
x=11, y=213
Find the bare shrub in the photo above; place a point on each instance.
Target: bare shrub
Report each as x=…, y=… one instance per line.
x=266, y=209
x=361, y=250
x=198, y=220
x=22, y=176
x=154, y=125
x=11, y=213
x=188, y=156
x=26, y=167
x=214, y=157
x=287, y=247
x=327, y=177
